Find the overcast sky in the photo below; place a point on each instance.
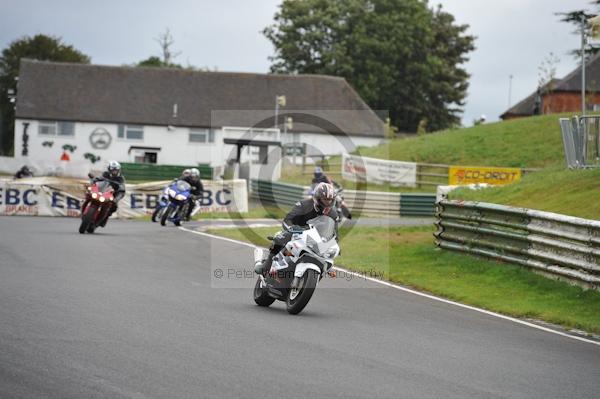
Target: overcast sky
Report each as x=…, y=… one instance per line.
x=513, y=36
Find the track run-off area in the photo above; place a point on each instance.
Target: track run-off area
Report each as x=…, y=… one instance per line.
x=134, y=311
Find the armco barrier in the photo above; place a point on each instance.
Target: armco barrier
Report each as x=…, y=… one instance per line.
x=274, y=193
x=367, y=203
x=556, y=245
x=417, y=204
x=373, y=203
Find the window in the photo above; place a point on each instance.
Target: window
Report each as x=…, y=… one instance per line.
x=66, y=129
x=47, y=128
x=52, y=128
x=202, y=136
x=130, y=132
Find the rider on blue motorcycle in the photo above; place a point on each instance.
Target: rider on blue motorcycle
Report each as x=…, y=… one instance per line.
x=193, y=178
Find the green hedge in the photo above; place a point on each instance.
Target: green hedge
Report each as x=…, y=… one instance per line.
x=144, y=171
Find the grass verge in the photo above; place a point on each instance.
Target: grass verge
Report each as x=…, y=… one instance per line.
x=406, y=255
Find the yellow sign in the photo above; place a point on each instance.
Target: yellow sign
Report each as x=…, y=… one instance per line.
x=459, y=175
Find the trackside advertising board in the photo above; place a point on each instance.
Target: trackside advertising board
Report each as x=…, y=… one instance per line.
x=52, y=197
x=461, y=175
x=379, y=171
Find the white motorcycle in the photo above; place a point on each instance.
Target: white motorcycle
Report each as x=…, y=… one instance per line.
x=297, y=269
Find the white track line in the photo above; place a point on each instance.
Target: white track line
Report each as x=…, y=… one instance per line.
x=218, y=237
x=435, y=298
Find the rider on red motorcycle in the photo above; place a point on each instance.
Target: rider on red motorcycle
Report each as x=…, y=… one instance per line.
x=113, y=176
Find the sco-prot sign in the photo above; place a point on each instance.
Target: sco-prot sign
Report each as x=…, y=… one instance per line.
x=460, y=175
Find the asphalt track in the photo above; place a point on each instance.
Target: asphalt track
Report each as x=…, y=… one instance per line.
x=135, y=312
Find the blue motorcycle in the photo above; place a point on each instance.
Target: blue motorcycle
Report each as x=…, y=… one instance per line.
x=174, y=203
x=162, y=204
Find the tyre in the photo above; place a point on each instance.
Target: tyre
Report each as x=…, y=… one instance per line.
x=91, y=228
x=165, y=215
x=157, y=213
x=298, y=297
x=177, y=222
x=87, y=218
x=261, y=295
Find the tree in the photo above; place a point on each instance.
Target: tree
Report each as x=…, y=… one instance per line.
x=575, y=18
x=399, y=55
x=165, y=40
x=546, y=78
x=39, y=47
x=154, y=61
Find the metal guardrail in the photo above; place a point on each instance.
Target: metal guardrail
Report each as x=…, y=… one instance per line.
x=373, y=203
x=558, y=246
x=274, y=193
x=417, y=204
x=366, y=203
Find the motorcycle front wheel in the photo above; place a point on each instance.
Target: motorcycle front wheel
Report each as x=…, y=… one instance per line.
x=165, y=215
x=87, y=219
x=261, y=295
x=157, y=213
x=298, y=297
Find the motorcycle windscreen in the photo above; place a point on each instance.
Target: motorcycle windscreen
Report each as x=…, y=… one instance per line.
x=103, y=186
x=183, y=186
x=324, y=225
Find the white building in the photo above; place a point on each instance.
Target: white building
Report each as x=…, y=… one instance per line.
x=181, y=117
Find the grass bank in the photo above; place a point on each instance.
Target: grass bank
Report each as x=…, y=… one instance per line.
x=533, y=142
x=569, y=192
x=406, y=255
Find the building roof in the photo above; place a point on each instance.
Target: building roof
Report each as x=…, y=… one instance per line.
x=525, y=107
x=143, y=95
x=572, y=82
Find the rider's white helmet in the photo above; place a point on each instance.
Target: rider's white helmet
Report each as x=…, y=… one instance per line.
x=114, y=168
x=195, y=174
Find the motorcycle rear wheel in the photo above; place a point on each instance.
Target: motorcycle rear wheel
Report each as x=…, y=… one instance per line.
x=261, y=295
x=87, y=219
x=298, y=298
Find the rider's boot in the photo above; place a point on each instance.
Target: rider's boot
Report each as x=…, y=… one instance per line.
x=103, y=222
x=265, y=265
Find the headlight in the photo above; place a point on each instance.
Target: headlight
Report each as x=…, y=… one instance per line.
x=94, y=195
x=331, y=252
x=172, y=192
x=180, y=197
x=101, y=199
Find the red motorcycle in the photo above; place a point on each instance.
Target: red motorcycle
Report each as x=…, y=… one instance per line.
x=96, y=207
